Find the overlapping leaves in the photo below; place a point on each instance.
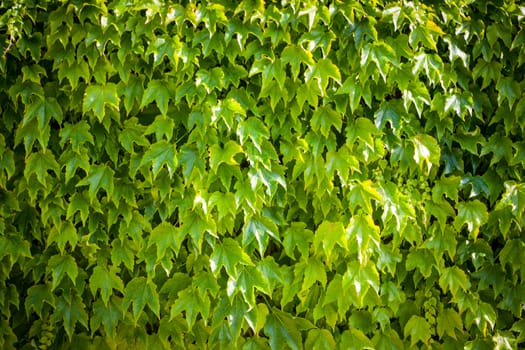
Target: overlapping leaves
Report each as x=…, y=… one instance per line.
x=262, y=174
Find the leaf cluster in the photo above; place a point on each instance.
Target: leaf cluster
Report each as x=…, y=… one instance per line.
x=255, y=175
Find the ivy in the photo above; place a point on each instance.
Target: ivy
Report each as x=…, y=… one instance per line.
x=253, y=175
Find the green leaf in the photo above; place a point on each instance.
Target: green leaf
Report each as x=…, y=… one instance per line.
x=363, y=231
x=59, y=266
x=109, y=315
x=166, y=236
x=158, y=91
x=454, y=279
x=489, y=71
x=295, y=55
x=447, y=186
x=448, y=321
x=324, y=118
x=324, y=69
x=282, y=328
x=132, y=90
x=388, y=112
x=364, y=130
x=509, y=90
x=473, y=214
x=97, y=97
x=133, y=133
x=359, y=278
x=249, y=278
x=99, y=177
x=513, y=254
x=63, y=233
x=418, y=329
x=211, y=79
x=422, y=259
x=162, y=127
x=513, y=197
x=159, y=154
x=253, y=129
x=77, y=134
x=314, y=271
x=141, y=292
x=228, y=254
x=327, y=235
x=70, y=309
x=361, y=194
x=320, y=339
x=297, y=235
x=190, y=301
x=259, y=229
x=43, y=110
x=37, y=295
x=219, y=155
x=426, y=151
x=106, y=280
x=500, y=146
x=40, y=163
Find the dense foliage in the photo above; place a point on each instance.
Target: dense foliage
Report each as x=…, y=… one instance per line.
x=318, y=175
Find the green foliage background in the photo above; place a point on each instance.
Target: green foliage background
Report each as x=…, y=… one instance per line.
x=319, y=175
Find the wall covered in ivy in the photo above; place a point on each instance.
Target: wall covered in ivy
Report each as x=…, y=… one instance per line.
x=262, y=174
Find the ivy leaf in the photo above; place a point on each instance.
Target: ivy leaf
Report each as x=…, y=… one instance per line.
x=448, y=321
x=364, y=231
x=219, y=155
x=474, y=214
x=513, y=254
x=77, y=134
x=70, y=309
x=254, y=129
x=281, y=328
x=141, y=292
x=364, y=130
x=190, y=301
x=418, y=329
x=211, y=79
x=165, y=236
x=388, y=112
x=426, y=151
x=106, y=280
x=109, y=315
x=97, y=97
x=324, y=118
x=159, y=92
x=295, y=55
x=59, y=266
x=361, y=194
x=509, y=90
x=159, y=154
x=488, y=71
x=40, y=163
x=422, y=259
x=454, y=279
x=228, y=254
x=99, y=177
x=61, y=234
x=297, y=235
x=324, y=70
x=500, y=146
x=162, y=127
x=43, y=110
x=37, y=295
x=327, y=235
x=320, y=339
x=133, y=133
x=249, y=279
x=314, y=271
